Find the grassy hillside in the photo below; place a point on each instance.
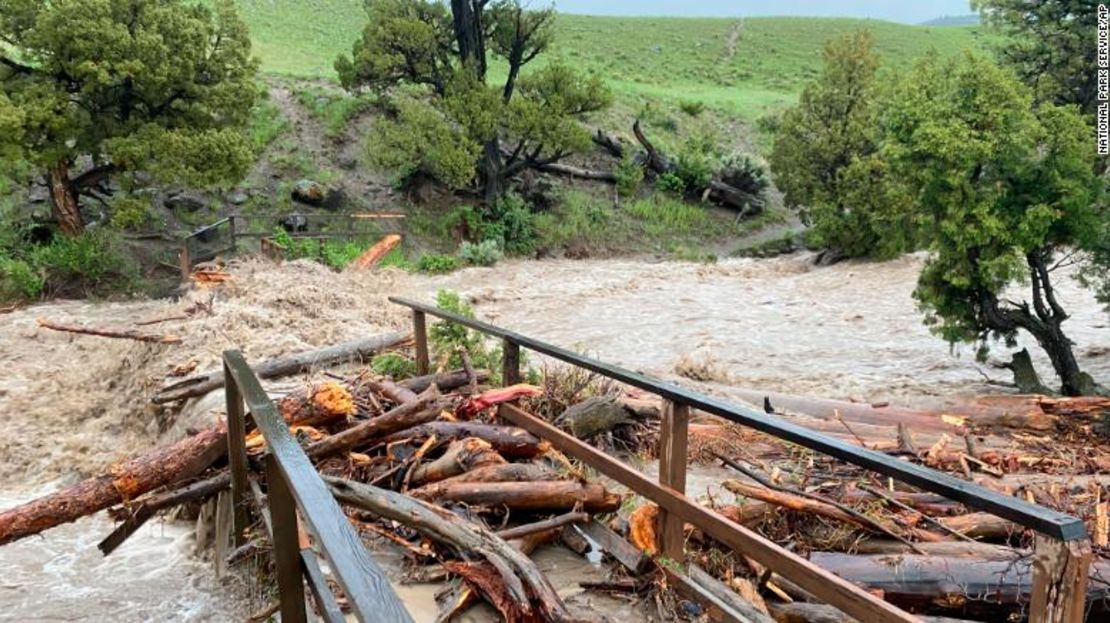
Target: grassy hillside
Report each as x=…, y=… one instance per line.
x=741, y=67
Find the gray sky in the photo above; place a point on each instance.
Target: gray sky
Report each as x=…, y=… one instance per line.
x=910, y=12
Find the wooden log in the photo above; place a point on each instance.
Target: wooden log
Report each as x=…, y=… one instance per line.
x=525, y=583
x=399, y=394
x=558, y=521
x=551, y=496
x=631, y=558
x=948, y=549
x=608, y=142
x=505, y=472
x=511, y=442
x=362, y=349
x=406, y=416
x=982, y=526
x=123, y=482
x=802, y=612
x=809, y=505
x=719, y=593
x=445, y=381
x=125, y=334
x=138, y=514
x=578, y=172
x=461, y=456
x=929, y=503
x=968, y=587
x=374, y=254
x=1061, y=575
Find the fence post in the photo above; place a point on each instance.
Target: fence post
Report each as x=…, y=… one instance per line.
x=420, y=334
x=672, y=473
x=237, y=455
x=1060, y=574
x=286, y=546
x=510, y=363
x=184, y=262
x=231, y=229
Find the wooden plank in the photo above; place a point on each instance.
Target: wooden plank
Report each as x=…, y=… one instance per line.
x=368, y=591
x=1061, y=571
x=821, y=583
x=624, y=552
x=326, y=603
x=1039, y=518
x=285, y=549
x=420, y=335
x=721, y=592
x=510, y=363
x=237, y=458
x=672, y=473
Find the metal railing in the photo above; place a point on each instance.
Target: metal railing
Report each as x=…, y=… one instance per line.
x=294, y=488
x=1062, y=552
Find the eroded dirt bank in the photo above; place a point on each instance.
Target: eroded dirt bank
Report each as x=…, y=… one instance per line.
x=76, y=404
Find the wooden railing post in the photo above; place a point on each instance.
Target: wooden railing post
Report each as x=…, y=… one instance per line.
x=184, y=262
x=420, y=335
x=1060, y=574
x=672, y=474
x=286, y=546
x=510, y=363
x=237, y=456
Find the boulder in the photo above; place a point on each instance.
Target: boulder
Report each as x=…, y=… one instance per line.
x=184, y=201
x=238, y=197
x=309, y=192
x=335, y=200
x=294, y=223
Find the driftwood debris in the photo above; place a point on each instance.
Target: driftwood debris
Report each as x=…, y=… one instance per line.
x=123, y=482
x=125, y=334
x=357, y=350
x=374, y=254
x=529, y=588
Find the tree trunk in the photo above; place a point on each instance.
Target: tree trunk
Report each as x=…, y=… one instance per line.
x=492, y=168
x=510, y=441
x=124, y=482
x=549, y=496
x=63, y=199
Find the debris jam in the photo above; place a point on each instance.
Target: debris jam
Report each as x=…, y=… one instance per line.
x=474, y=507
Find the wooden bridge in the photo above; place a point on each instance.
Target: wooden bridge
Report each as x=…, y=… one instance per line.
x=1062, y=554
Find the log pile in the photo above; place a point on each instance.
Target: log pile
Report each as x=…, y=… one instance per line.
x=420, y=463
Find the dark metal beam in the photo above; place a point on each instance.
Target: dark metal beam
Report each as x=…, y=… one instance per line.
x=1039, y=518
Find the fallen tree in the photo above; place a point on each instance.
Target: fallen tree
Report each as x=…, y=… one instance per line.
x=359, y=350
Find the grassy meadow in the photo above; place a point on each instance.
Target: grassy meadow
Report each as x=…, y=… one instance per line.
x=741, y=67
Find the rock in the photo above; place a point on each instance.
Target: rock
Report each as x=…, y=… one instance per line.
x=238, y=197
x=205, y=234
x=594, y=416
x=335, y=200
x=309, y=192
x=348, y=163
x=294, y=223
x=184, y=201
x=38, y=194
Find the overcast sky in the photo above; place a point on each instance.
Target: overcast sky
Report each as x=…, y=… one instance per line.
x=910, y=12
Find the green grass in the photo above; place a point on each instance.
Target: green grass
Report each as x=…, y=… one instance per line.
x=333, y=108
x=675, y=59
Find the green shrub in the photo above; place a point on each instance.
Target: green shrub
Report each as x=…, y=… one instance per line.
x=131, y=211
x=393, y=365
x=746, y=173
x=630, y=175
x=266, y=124
x=670, y=183
x=510, y=223
x=692, y=107
x=396, y=259
x=484, y=253
x=768, y=122
x=19, y=281
x=447, y=338
x=94, y=262
x=436, y=264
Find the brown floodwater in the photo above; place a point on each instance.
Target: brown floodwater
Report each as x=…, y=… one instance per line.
x=74, y=405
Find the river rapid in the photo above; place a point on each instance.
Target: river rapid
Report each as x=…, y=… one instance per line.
x=846, y=331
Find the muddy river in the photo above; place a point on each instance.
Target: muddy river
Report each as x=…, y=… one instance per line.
x=847, y=331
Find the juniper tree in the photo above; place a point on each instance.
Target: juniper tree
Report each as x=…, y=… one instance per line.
x=1005, y=190
x=92, y=88
x=467, y=127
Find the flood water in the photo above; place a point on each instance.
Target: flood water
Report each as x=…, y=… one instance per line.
x=846, y=331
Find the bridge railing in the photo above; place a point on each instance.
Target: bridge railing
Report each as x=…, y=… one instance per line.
x=294, y=488
x=1062, y=553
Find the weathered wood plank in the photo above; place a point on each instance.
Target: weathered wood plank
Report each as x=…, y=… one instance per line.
x=420, y=336
x=1061, y=571
x=673, y=439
